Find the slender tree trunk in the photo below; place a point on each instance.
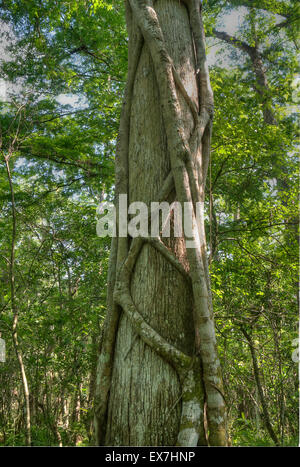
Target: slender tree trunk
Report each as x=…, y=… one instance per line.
x=15, y=309
x=257, y=414
x=158, y=363
x=263, y=402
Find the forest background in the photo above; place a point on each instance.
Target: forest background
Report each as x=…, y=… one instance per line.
x=63, y=70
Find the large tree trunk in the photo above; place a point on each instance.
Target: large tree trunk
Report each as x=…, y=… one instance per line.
x=158, y=360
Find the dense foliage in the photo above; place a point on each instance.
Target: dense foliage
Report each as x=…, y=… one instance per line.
x=64, y=68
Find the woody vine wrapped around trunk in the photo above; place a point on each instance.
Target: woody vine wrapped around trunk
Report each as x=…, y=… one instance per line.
x=198, y=374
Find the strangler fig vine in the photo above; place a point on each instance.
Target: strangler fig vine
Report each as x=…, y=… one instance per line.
x=187, y=153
